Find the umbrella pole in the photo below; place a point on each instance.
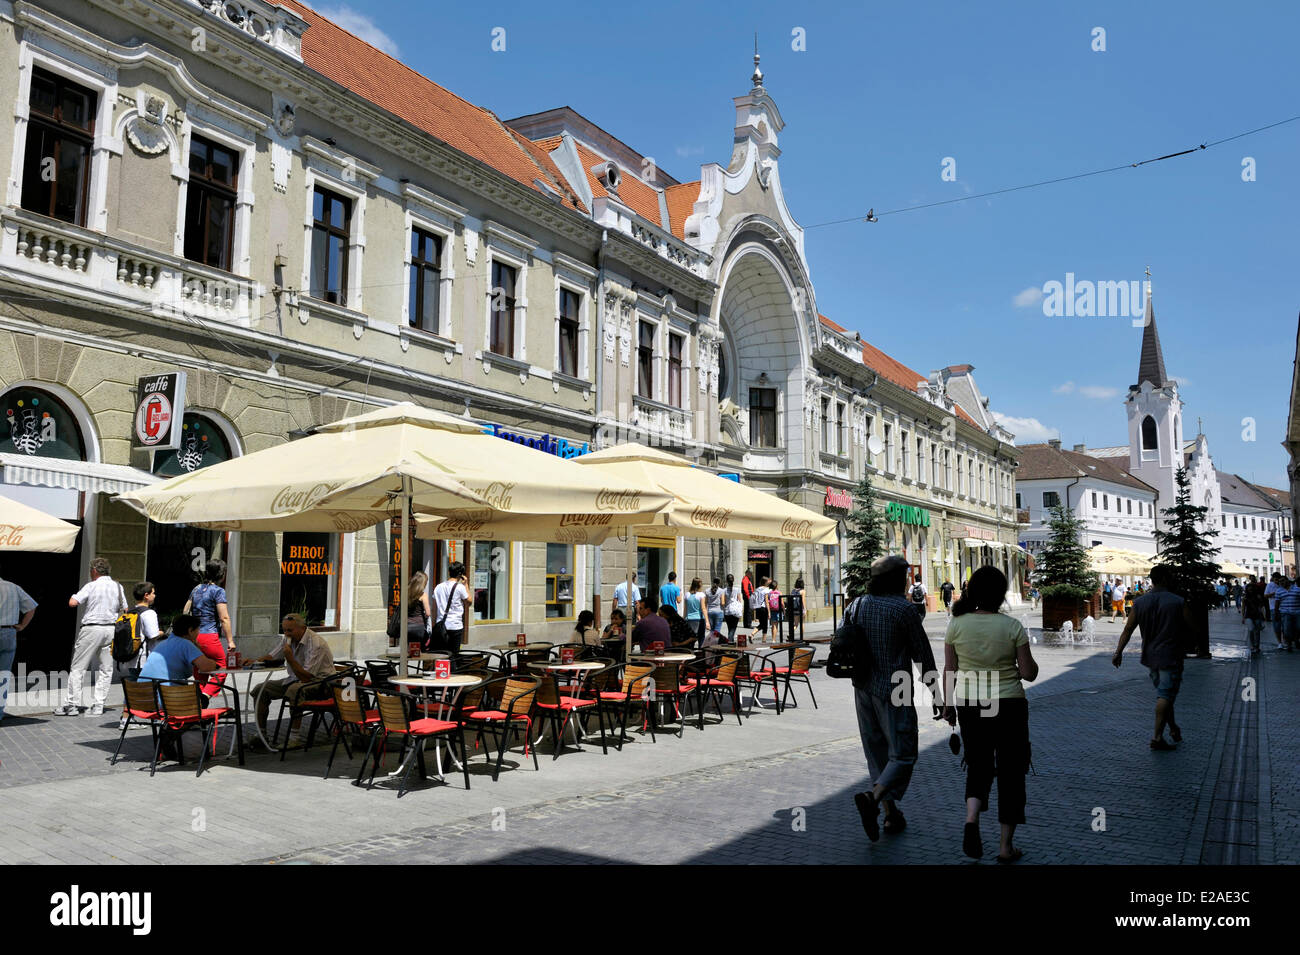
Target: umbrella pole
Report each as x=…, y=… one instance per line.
x=405, y=572
x=631, y=606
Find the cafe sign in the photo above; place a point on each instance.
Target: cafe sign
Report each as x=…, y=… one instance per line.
x=907, y=514
x=159, y=411
x=836, y=498
x=560, y=447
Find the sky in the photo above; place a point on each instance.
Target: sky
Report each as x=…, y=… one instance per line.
x=883, y=98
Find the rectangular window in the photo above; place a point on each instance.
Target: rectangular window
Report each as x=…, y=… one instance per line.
x=501, y=335
x=675, y=347
x=210, y=203
x=1128, y=507
x=1051, y=499
x=947, y=470
x=920, y=459
x=1105, y=502
x=569, y=304
x=310, y=578
x=907, y=456
x=426, y=280
x=1017, y=500
x=960, y=475
x=889, y=448
x=1225, y=520
x=331, y=229
x=60, y=135
x=826, y=425
x=970, y=478
x=1234, y=520
x=934, y=463
x=762, y=417
x=869, y=430
x=1252, y=523
x=840, y=444
x=645, y=359
x=559, y=582
x=983, y=492
x=491, y=583
x=1094, y=500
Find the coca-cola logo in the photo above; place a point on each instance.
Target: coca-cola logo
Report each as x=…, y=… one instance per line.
x=169, y=509
x=11, y=535
x=498, y=495
x=347, y=523
x=295, y=498
x=586, y=520
x=459, y=525
x=796, y=529
x=572, y=535
x=715, y=517
x=612, y=500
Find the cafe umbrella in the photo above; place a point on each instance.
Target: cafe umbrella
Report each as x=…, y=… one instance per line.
x=360, y=471
x=24, y=528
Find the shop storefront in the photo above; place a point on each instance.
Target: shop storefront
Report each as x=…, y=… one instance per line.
x=837, y=504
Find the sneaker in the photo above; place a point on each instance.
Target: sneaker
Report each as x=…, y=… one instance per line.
x=94, y=711
x=868, y=810
x=66, y=711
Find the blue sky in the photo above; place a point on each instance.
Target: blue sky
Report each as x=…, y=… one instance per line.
x=1014, y=93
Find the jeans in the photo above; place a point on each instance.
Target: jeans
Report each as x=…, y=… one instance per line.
x=715, y=620
x=8, y=647
x=1254, y=628
x=94, y=647
x=1290, y=628
x=889, y=740
x=997, y=745
x=697, y=626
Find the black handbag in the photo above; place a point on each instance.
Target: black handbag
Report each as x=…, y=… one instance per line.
x=840, y=663
x=437, y=640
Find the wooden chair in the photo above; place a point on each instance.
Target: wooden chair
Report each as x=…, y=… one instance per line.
x=320, y=708
x=559, y=705
x=625, y=686
x=141, y=709
x=715, y=675
x=181, y=709
x=504, y=704
x=394, y=710
x=668, y=683
x=353, y=718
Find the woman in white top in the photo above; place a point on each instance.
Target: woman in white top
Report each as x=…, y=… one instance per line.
x=713, y=604
x=733, y=607
x=759, y=605
x=451, y=608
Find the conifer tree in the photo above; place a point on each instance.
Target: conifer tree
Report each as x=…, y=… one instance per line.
x=1064, y=566
x=866, y=539
x=1187, y=543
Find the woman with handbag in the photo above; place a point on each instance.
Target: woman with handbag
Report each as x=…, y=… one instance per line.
x=417, y=609
x=988, y=654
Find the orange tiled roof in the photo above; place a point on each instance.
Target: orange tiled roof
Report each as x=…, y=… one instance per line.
x=391, y=85
x=681, y=203
x=633, y=191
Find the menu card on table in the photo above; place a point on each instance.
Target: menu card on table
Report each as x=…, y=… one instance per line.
x=521, y=639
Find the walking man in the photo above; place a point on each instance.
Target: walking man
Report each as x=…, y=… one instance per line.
x=946, y=592
x=16, y=611
x=1162, y=617
x=887, y=639
x=747, y=594
x=1117, y=594
x=1271, y=594
x=1288, y=608
x=104, y=601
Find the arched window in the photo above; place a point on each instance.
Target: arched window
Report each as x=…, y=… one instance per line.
x=39, y=424
x=1150, y=439
x=202, y=444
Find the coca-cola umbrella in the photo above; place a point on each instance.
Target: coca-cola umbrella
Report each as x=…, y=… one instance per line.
x=24, y=528
x=360, y=471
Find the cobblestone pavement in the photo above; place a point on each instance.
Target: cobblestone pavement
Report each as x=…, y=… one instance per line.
x=777, y=789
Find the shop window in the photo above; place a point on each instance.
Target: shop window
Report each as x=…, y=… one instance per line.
x=491, y=581
x=425, y=280
x=60, y=135
x=310, y=578
x=559, y=582
x=504, y=302
x=762, y=417
x=202, y=443
x=210, y=203
x=40, y=425
x=568, y=362
x=330, y=233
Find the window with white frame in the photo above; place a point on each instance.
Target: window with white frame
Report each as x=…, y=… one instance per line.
x=502, y=308
x=331, y=235
x=60, y=141
x=568, y=324
x=424, y=281
x=826, y=425
x=920, y=458
x=907, y=456
x=645, y=359
x=676, y=346
x=841, y=447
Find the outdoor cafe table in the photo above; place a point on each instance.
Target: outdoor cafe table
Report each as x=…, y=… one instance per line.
x=664, y=657
x=503, y=647
x=456, y=683
x=235, y=673
x=421, y=658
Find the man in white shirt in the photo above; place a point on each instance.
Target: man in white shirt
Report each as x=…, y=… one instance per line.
x=307, y=660
x=104, y=601
x=620, y=598
x=16, y=611
x=451, y=607
x=1117, y=594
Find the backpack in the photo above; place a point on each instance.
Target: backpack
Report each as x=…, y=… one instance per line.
x=126, y=634
x=840, y=664
x=796, y=602
x=918, y=592
x=774, y=600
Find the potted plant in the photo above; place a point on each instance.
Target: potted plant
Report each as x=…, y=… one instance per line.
x=1068, y=583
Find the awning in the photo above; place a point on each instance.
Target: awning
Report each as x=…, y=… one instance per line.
x=975, y=542
x=76, y=475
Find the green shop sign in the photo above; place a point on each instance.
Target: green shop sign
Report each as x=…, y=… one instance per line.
x=907, y=514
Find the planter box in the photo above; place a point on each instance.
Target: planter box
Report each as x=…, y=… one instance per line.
x=1057, y=610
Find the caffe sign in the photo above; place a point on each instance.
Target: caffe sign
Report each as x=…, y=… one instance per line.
x=159, y=411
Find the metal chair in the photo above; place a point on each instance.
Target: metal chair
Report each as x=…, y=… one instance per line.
x=504, y=705
x=394, y=710
x=140, y=709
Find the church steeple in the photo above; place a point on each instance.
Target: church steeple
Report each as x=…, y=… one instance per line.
x=1151, y=364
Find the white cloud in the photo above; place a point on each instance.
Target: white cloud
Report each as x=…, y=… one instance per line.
x=1026, y=430
x=684, y=151
x=1028, y=297
x=1097, y=391
x=1182, y=382
x=1064, y=388
x=363, y=27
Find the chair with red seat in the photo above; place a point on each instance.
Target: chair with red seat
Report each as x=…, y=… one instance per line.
x=353, y=717
x=561, y=704
x=394, y=714
x=800, y=669
x=625, y=686
x=141, y=709
x=671, y=685
x=181, y=708
x=503, y=706
x=715, y=675
x=762, y=670
x=316, y=698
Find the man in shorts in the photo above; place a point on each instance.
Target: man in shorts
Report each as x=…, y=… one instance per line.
x=1161, y=615
x=1117, y=594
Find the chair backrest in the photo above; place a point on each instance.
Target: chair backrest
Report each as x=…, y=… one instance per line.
x=347, y=699
x=666, y=677
x=802, y=661
x=549, y=691
x=518, y=695
x=727, y=667
x=462, y=662
x=392, y=711
x=381, y=672
x=141, y=695
x=634, y=677
x=741, y=672
x=180, y=701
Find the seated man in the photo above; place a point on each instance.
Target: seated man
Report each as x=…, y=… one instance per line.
x=651, y=628
x=176, y=657
x=308, y=660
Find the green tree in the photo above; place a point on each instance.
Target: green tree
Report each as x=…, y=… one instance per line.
x=1186, y=544
x=866, y=539
x=1063, y=566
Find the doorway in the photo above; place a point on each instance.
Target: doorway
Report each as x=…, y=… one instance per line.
x=50, y=579
x=176, y=557
x=654, y=561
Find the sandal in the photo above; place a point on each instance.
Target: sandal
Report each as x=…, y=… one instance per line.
x=1014, y=857
x=971, y=844
x=867, y=809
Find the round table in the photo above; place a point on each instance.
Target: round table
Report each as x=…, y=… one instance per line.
x=503, y=647
x=456, y=682
x=235, y=673
x=425, y=657
x=664, y=657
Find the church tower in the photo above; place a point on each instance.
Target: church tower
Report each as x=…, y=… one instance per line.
x=1155, y=416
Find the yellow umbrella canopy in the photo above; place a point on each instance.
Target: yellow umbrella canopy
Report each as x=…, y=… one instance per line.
x=1231, y=569
x=350, y=473
x=24, y=528
x=1117, y=560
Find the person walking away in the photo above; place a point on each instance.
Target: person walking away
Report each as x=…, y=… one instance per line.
x=417, y=609
x=620, y=598
x=695, y=610
x=451, y=606
x=1288, y=607
x=795, y=600
x=886, y=638
x=916, y=597
x=1271, y=594
x=17, y=609
x=104, y=600
x=1254, y=613
x=1105, y=596
x=945, y=592
x=988, y=653
x=733, y=607
x=208, y=603
x=713, y=605
x=774, y=608
x=759, y=604
x=671, y=593
x=1163, y=618
x=1117, y=593
x=747, y=592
